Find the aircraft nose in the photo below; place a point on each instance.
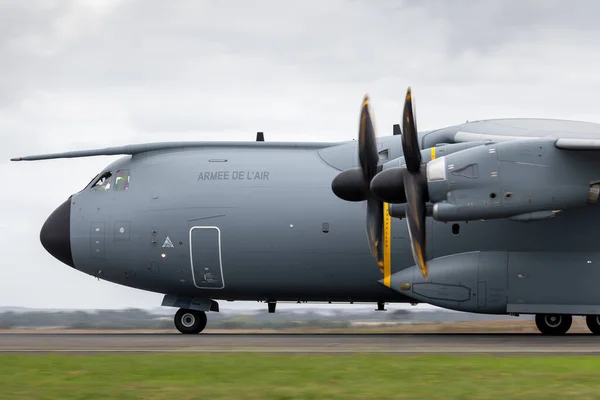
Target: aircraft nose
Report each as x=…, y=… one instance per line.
x=56, y=233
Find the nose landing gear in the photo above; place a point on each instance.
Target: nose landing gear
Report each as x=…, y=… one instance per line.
x=190, y=321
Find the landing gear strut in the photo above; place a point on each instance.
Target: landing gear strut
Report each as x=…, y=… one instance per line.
x=553, y=324
x=190, y=321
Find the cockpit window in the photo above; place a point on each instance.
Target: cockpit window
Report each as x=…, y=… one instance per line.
x=103, y=183
x=122, y=180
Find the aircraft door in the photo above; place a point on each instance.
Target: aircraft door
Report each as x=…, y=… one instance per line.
x=205, y=257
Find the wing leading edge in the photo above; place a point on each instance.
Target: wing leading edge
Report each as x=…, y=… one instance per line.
x=572, y=134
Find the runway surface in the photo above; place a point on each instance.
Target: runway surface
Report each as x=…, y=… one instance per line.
x=301, y=343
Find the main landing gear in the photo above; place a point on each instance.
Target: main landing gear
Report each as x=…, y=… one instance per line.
x=559, y=324
x=593, y=323
x=553, y=324
x=190, y=322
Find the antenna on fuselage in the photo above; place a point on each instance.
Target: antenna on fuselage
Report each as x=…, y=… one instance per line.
x=260, y=137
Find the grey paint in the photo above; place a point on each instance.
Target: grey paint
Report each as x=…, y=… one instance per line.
x=500, y=180
x=161, y=146
x=512, y=129
x=501, y=282
x=191, y=303
x=271, y=201
x=272, y=245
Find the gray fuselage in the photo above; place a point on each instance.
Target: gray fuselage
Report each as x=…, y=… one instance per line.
x=263, y=224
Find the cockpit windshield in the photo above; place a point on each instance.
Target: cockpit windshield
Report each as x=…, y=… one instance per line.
x=103, y=183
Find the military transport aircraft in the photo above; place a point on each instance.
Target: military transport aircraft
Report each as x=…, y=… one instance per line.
x=492, y=217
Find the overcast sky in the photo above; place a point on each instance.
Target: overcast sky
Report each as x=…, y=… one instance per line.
x=83, y=74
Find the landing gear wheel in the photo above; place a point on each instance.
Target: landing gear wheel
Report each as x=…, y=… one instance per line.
x=190, y=321
x=593, y=323
x=553, y=324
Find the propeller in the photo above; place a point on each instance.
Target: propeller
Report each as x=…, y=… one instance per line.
x=354, y=184
x=410, y=179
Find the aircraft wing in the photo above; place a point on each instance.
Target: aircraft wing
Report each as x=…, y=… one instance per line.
x=572, y=134
x=133, y=149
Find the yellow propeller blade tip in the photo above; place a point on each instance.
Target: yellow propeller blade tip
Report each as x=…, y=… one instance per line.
x=365, y=100
x=425, y=272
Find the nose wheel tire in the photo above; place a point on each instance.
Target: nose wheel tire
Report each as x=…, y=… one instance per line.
x=593, y=323
x=553, y=324
x=190, y=322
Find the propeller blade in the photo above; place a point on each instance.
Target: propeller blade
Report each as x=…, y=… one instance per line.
x=415, y=186
x=354, y=184
x=410, y=141
x=369, y=159
x=375, y=228
x=415, y=219
x=367, y=144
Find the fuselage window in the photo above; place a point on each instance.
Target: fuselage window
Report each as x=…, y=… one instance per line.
x=103, y=183
x=122, y=180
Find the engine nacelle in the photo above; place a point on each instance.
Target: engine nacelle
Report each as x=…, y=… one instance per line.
x=506, y=179
x=454, y=282
x=502, y=282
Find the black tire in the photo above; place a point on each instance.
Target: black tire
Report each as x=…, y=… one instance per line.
x=553, y=324
x=190, y=322
x=593, y=323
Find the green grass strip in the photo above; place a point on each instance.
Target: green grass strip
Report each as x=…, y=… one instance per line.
x=259, y=376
